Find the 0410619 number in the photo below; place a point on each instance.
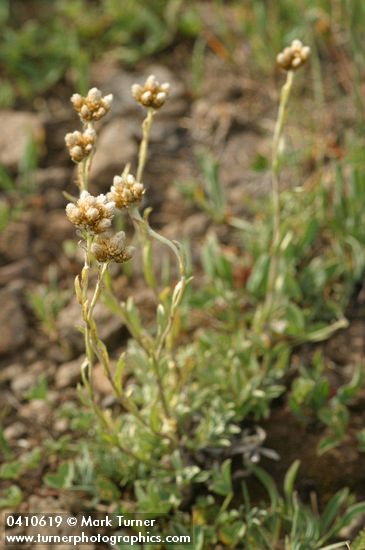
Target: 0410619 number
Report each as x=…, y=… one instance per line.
x=33, y=520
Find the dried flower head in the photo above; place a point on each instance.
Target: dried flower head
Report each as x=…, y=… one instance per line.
x=294, y=56
x=125, y=190
x=92, y=107
x=80, y=144
x=93, y=214
x=152, y=93
x=112, y=248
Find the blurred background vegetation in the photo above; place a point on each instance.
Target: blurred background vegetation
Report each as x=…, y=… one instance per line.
x=44, y=43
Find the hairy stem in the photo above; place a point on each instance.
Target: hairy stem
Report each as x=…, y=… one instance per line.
x=84, y=283
x=97, y=291
x=83, y=170
x=143, y=149
x=160, y=386
x=275, y=168
x=176, y=301
x=145, y=232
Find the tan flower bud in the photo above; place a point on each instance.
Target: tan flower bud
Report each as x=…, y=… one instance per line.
x=136, y=90
x=160, y=98
x=80, y=144
x=92, y=107
x=108, y=100
x=76, y=153
x=125, y=191
x=112, y=248
x=73, y=213
x=146, y=97
x=102, y=226
x=151, y=82
x=92, y=214
x=293, y=57
x=94, y=95
x=77, y=101
x=165, y=87
x=152, y=93
x=85, y=112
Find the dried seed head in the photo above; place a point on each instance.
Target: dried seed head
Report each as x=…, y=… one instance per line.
x=92, y=107
x=80, y=144
x=152, y=93
x=112, y=248
x=125, y=190
x=293, y=57
x=93, y=214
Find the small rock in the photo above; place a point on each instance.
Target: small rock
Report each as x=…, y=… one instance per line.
x=54, y=198
x=52, y=177
x=115, y=148
x=14, y=431
x=100, y=381
x=22, y=383
x=10, y=372
x=68, y=373
x=16, y=129
x=50, y=182
x=57, y=227
x=14, y=329
x=14, y=240
x=195, y=226
x=109, y=77
x=61, y=425
x=109, y=325
x=37, y=410
x=26, y=380
x=24, y=269
x=30, y=355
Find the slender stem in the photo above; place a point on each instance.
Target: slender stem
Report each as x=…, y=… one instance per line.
x=275, y=168
x=143, y=149
x=284, y=98
x=174, y=307
x=97, y=290
x=143, y=227
x=135, y=215
x=145, y=232
x=83, y=169
x=141, y=224
x=143, y=338
x=143, y=237
x=85, y=311
x=80, y=175
x=161, y=390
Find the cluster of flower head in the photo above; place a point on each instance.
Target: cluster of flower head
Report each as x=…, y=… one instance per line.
x=80, y=144
x=92, y=214
x=152, y=93
x=112, y=248
x=294, y=56
x=92, y=107
x=125, y=190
